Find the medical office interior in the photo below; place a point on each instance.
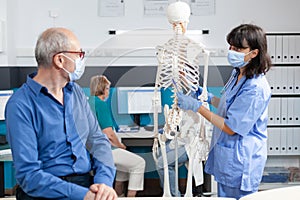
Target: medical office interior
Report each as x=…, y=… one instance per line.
x=120, y=39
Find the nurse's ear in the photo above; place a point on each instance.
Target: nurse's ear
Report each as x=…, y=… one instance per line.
x=254, y=53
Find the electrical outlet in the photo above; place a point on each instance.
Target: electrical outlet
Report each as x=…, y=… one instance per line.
x=222, y=52
x=213, y=52
x=53, y=13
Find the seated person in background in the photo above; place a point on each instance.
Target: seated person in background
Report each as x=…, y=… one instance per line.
x=129, y=166
x=54, y=137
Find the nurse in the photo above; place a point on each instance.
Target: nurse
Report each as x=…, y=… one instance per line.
x=239, y=145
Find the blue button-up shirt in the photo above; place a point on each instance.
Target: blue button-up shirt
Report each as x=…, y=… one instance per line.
x=49, y=140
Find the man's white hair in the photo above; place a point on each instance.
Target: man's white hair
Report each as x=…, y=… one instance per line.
x=178, y=12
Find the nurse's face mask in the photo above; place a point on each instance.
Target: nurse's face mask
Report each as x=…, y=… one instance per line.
x=237, y=59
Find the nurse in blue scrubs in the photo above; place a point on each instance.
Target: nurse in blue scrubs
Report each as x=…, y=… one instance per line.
x=239, y=145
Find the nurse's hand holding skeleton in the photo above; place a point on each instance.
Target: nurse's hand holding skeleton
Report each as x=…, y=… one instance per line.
x=196, y=95
x=189, y=103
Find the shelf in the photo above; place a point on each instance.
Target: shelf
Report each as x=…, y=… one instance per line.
x=282, y=33
x=283, y=125
x=267, y=186
x=285, y=95
x=285, y=64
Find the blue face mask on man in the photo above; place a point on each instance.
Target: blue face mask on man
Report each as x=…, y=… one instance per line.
x=79, y=69
x=236, y=59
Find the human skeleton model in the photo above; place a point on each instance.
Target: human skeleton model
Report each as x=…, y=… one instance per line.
x=178, y=68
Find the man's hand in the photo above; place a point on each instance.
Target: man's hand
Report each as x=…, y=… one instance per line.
x=100, y=192
x=90, y=195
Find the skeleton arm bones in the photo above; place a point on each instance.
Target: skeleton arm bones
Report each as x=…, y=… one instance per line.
x=206, y=113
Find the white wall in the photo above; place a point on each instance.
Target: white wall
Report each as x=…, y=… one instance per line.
x=26, y=19
x=3, y=56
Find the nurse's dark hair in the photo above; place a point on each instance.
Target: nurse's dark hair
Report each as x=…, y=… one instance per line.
x=98, y=84
x=255, y=37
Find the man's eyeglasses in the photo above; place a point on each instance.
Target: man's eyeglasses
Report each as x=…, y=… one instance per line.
x=80, y=53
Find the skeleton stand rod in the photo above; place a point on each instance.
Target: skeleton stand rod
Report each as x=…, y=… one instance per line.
x=203, y=96
x=176, y=165
x=155, y=118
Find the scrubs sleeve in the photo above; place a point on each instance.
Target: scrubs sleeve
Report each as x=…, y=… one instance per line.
x=245, y=111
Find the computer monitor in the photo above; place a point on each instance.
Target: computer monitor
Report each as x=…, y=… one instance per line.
x=4, y=96
x=137, y=100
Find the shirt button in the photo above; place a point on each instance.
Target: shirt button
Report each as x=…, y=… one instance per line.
x=73, y=157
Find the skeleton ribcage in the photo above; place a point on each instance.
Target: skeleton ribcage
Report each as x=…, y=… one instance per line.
x=178, y=69
x=178, y=60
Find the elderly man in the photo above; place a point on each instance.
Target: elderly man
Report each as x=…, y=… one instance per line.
x=55, y=139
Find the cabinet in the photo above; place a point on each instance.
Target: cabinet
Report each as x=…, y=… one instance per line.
x=283, y=163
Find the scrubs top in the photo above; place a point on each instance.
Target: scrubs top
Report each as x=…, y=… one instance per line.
x=103, y=114
x=238, y=160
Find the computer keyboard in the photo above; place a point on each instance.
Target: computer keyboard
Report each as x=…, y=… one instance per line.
x=128, y=129
x=132, y=129
x=151, y=127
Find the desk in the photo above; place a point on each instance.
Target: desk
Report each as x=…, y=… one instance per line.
x=144, y=138
x=176, y=198
x=141, y=143
x=137, y=139
x=5, y=155
x=289, y=193
x=159, y=198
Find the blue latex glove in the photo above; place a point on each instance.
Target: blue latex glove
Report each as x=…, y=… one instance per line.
x=161, y=131
x=199, y=92
x=188, y=102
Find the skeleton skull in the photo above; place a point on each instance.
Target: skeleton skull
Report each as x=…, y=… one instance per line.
x=178, y=13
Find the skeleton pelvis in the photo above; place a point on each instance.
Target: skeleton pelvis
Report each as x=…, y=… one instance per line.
x=173, y=119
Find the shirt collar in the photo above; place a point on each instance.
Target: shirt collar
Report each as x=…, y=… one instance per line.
x=70, y=85
x=236, y=72
x=36, y=87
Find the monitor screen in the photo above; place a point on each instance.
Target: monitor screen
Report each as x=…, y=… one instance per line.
x=4, y=96
x=136, y=100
